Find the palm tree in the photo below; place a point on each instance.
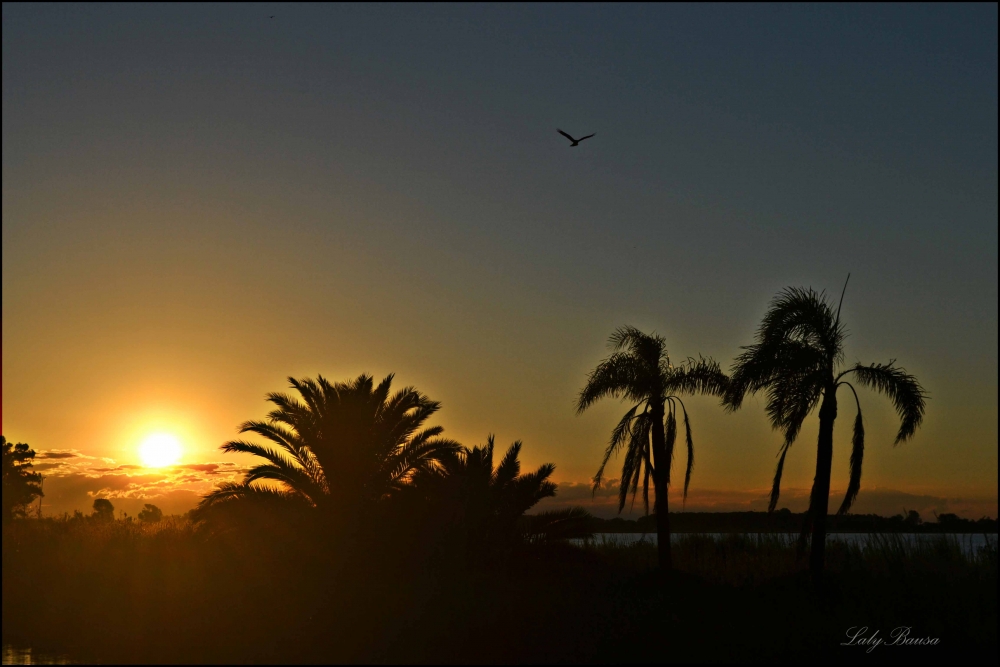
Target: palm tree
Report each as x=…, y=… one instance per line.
x=639, y=370
x=797, y=359
x=485, y=503
x=344, y=446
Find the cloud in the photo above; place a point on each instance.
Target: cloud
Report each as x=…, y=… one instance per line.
x=58, y=454
x=203, y=467
x=72, y=483
x=39, y=467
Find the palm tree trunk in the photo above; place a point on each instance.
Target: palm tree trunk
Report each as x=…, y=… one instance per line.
x=820, y=500
x=660, y=469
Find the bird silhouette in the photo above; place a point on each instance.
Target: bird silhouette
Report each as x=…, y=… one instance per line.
x=576, y=142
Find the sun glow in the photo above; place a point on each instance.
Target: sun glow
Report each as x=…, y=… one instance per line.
x=160, y=449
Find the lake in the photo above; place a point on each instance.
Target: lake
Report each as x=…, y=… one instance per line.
x=970, y=542
x=26, y=656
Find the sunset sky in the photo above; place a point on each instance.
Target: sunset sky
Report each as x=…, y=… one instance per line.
x=200, y=201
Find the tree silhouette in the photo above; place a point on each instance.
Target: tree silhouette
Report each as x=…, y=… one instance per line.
x=150, y=513
x=344, y=445
x=20, y=485
x=797, y=360
x=104, y=510
x=639, y=370
x=483, y=502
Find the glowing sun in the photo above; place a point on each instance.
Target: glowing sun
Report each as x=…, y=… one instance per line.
x=160, y=449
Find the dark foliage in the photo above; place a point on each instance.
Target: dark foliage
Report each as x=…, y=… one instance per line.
x=475, y=506
x=20, y=485
x=341, y=448
x=138, y=592
x=639, y=371
x=103, y=510
x=796, y=360
x=150, y=513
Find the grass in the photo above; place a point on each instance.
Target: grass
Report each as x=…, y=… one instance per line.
x=124, y=591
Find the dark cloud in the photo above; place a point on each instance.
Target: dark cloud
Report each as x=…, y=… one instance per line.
x=203, y=467
x=57, y=454
x=46, y=466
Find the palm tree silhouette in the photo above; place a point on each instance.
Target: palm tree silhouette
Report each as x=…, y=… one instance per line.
x=345, y=445
x=640, y=371
x=485, y=502
x=797, y=360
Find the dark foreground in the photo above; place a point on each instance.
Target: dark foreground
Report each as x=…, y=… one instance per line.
x=122, y=592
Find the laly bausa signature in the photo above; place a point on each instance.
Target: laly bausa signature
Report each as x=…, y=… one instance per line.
x=859, y=636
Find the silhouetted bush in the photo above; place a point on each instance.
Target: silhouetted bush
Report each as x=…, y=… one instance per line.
x=103, y=510
x=150, y=513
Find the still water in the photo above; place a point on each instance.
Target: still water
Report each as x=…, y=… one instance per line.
x=969, y=542
x=26, y=656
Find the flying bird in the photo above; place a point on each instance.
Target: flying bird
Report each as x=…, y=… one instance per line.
x=576, y=142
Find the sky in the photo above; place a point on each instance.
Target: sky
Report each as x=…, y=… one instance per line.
x=200, y=201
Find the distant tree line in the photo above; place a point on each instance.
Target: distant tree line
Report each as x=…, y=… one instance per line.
x=786, y=521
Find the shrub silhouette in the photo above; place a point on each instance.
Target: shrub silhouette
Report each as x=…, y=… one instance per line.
x=104, y=510
x=797, y=360
x=150, y=513
x=639, y=370
x=483, y=503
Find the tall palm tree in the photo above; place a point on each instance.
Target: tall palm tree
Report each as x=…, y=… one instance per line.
x=797, y=359
x=345, y=445
x=639, y=370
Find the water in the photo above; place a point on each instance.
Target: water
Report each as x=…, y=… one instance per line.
x=26, y=656
x=969, y=542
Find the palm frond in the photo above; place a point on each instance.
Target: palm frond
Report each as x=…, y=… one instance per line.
x=696, y=376
x=234, y=492
x=619, y=375
x=295, y=479
x=908, y=397
x=804, y=315
x=246, y=447
x=632, y=463
x=857, y=458
x=670, y=440
x=619, y=436
x=690, y=450
x=416, y=457
x=776, y=484
x=509, y=467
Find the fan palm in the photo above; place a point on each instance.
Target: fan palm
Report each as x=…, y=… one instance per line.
x=639, y=370
x=797, y=359
x=343, y=445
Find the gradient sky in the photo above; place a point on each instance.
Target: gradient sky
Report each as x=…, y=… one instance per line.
x=199, y=201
